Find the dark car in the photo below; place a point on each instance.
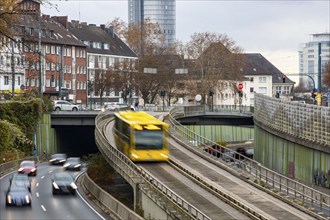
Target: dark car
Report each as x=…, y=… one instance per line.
x=17, y=195
x=57, y=159
x=247, y=152
x=72, y=163
x=28, y=167
x=20, y=180
x=63, y=183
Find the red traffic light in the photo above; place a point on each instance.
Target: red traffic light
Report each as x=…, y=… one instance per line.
x=240, y=86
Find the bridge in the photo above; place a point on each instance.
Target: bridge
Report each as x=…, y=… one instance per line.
x=256, y=169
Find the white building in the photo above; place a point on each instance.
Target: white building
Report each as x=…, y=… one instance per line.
x=309, y=58
x=11, y=51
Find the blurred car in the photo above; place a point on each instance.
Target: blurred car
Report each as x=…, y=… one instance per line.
x=62, y=105
x=20, y=180
x=18, y=195
x=28, y=167
x=63, y=183
x=247, y=152
x=72, y=163
x=57, y=159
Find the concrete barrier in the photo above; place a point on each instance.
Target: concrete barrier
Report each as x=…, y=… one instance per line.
x=106, y=201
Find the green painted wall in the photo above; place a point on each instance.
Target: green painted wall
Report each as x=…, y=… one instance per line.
x=45, y=137
x=296, y=161
x=223, y=132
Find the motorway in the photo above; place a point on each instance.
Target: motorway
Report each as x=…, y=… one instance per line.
x=44, y=204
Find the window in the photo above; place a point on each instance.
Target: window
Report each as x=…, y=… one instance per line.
x=68, y=52
x=52, y=49
x=47, y=66
x=251, y=79
x=150, y=70
x=262, y=79
x=47, y=49
x=278, y=89
x=181, y=71
x=6, y=78
x=286, y=90
x=251, y=89
x=263, y=90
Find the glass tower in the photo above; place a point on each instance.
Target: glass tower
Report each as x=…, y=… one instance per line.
x=158, y=11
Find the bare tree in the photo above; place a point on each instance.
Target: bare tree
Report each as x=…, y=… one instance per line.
x=326, y=75
x=215, y=58
x=8, y=17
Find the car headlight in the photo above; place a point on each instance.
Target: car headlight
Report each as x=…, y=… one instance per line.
x=9, y=199
x=62, y=161
x=73, y=185
x=20, y=169
x=55, y=185
x=34, y=169
x=76, y=166
x=66, y=165
x=27, y=199
x=52, y=160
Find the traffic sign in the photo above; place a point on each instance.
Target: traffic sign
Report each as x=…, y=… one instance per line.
x=240, y=86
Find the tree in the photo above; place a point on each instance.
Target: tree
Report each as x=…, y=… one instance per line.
x=326, y=75
x=8, y=17
x=215, y=58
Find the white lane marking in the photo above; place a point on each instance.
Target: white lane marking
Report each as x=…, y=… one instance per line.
x=37, y=194
x=51, y=171
x=42, y=177
x=86, y=201
x=37, y=184
x=43, y=208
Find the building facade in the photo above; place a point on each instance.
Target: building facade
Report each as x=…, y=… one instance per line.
x=312, y=54
x=108, y=58
x=162, y=12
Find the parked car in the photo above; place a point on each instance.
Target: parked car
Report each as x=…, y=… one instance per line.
x=28, y=167
x=20, y=180
x=18, y=195
x=247, y=152
x=57, y=159
x=72, y=163
x=63, y=183
x=62, y=105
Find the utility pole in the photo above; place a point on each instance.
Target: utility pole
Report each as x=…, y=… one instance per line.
x=12, y=69
x=319, y=70
x=59, y=72
x=39, y=52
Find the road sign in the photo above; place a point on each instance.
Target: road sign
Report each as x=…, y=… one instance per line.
x=240, y=86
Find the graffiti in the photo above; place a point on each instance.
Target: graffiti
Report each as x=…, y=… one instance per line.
x=321, y=178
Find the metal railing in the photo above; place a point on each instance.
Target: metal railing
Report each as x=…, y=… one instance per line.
x=174, y=205
x=278, y=183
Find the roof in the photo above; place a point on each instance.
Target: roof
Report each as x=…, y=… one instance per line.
x=256, y=64
x=54, y=32
x=101, y=34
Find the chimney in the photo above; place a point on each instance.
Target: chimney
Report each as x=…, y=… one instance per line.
x=102, y=26
x=63, y=20
x=110, y=30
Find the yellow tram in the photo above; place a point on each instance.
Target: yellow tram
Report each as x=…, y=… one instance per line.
x=141, y=137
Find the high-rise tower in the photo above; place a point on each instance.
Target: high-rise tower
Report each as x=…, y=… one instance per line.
x=158, y=11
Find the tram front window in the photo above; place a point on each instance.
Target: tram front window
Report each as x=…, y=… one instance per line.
x=148, y=140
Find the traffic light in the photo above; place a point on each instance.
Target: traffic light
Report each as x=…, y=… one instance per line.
x=240, y=93
x=314, y=93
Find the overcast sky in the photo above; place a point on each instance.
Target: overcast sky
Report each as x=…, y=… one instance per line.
x=276, y=29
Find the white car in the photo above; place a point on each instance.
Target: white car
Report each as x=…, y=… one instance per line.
x=62, y=105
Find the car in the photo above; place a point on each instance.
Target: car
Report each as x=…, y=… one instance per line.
x=214, y=149
x=247, y=152
x=72, y=163
x=28, y=167
x=18, y=195
x=20, y=180
x=63, y=105
x=63, y=183
x=59, y=159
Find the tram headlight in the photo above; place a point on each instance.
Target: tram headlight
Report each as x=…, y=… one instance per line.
x=135, y=156
x=164, y=155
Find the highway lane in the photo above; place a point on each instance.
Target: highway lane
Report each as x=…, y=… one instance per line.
x=44, y=204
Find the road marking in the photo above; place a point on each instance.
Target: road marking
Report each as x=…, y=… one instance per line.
x=37, y=184
x=37, y=194
x=42, y=177
x=51, y=171
x=43, y=208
